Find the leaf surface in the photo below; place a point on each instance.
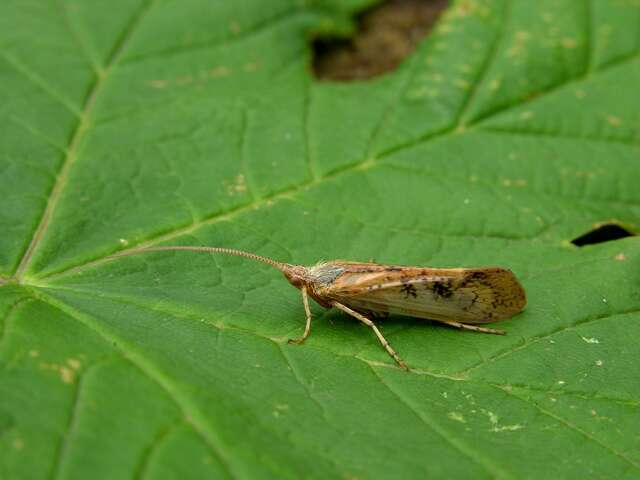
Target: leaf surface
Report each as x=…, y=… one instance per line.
x=511, y=130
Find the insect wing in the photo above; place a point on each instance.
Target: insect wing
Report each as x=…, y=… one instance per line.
x=480, y=295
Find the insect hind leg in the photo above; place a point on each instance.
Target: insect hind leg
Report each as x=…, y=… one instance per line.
x=307, y=311
x=369, y=323
x=473, y=328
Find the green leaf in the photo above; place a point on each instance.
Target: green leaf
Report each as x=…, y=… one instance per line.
x=512, y=129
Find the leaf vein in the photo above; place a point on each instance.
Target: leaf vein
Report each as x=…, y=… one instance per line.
x=632, y=140
x=242, y=147
x=149, y=451
x=365, y=163
x=77, y=137
x=311, y=164
x=494, y=470
x=533, y=340
x=298, y=377
x=189, y=410
x=583, y=394
x=484, y=68
x=587, y=75
x=4, y=326
x=35, y=79
x=589, y=29
x=67, y=437
x=255, y=30
x=573, y=427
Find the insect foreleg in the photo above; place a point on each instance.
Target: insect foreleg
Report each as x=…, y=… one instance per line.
x=368, y=322
x=464, y=326
x=307, y=310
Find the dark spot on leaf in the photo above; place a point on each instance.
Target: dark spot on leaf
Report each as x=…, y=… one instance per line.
x=384, y=36
x=603, y=233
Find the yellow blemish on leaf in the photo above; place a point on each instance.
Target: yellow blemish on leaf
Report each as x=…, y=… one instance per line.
x=67, y=375
x=518, y=182
x=251, y=67
x=468, y=7
x=74, y=363
x=613, y=120
x=493, y=418
x=238, y=186
x=34, y=353
x=569, y=43
x=234, y=27
x=519, y=43
x=184, y=80
x=507, y=428
x=620, y=257
x=495, y=424
x=219, y=72
x=446, y=28
x=580, y=94
x=526, y=115
x=18, y=444
x=599, y=363
x=158, y=83
x=417, y=93
x=457, y=416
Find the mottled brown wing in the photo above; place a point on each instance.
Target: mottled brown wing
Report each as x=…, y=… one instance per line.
x=468, y=295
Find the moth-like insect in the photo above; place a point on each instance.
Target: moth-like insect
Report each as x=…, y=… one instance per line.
x=458, y=297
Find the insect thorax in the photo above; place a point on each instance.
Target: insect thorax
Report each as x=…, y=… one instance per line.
x=324, y=274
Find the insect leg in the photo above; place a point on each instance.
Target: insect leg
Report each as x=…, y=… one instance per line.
x=465, y=326
x=368, y=322
x=307, y=310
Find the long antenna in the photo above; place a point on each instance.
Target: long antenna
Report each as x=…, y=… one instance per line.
x=228, y=251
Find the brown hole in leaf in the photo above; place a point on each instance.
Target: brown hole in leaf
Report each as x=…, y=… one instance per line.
x=385, y=35
x=602, y=233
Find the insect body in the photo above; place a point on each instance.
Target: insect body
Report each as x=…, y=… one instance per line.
x=459, y=297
